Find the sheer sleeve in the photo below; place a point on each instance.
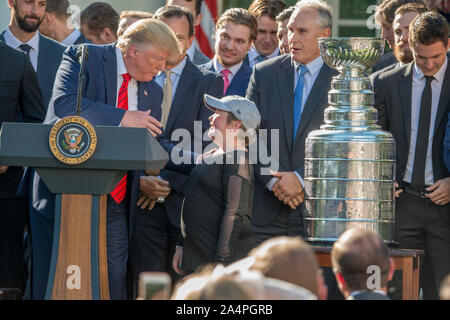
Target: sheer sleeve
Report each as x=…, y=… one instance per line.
x=238, y=197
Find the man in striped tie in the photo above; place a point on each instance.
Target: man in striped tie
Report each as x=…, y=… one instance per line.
x=119, y=93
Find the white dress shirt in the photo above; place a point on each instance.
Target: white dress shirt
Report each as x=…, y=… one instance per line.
x=13, y=42
x=174, y=77
x=132, y=85
x=310, y=77
x=253, y=54
x=71, y=38
x=233, y=70
x=418, y=85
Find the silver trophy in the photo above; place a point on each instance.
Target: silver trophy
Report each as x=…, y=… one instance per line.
x=350, y=162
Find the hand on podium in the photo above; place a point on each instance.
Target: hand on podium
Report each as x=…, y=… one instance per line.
x=141, y=119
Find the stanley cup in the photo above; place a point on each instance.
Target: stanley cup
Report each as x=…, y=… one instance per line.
x=349, y=162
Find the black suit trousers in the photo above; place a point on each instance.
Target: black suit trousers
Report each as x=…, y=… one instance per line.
x=422, y=225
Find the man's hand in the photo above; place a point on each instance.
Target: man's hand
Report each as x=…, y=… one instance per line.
x=288, y=188
x=177, y=259
x=152, y=173
x=3, y=168
x=144, y=201
x=141, y=119
x=154, y=187
x=441, y=192
x=397, y=190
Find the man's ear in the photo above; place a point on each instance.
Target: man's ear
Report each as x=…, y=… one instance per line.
x=340, y=281
x=108, y=36
x=198, y=20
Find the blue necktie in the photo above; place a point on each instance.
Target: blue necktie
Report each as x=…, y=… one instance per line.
x=260, y=58
x=25, y=48
x=298, y=97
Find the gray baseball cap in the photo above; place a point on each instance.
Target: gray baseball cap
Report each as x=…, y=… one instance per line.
x=243, y=109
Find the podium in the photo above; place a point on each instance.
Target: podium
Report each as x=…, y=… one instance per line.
x=79, y=269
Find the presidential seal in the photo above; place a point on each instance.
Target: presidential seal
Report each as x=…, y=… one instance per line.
x=72, y=140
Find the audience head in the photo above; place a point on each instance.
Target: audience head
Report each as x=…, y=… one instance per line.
x=403, y=17
x=385, y=15
x=310, y=20
x=99, y=23
x=292, y=260
x=27, y=15
x=146, y=47
x=355, y=256
x=181, y=21
x=56, y=17
x=282, y=21
x=265, y=13
x=236, y=29
x=194, y=6
x=444, y=292
x=127, y=18
x=429, y=42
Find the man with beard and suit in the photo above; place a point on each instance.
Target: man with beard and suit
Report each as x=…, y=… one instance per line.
x=413, y=104
x=195, y=7
x=402, y=52
x=118, y=92
x=352, y=255
x=56, y=24
x=21, y=101
x=236, y=30
x=45, y=54
x=157, y=225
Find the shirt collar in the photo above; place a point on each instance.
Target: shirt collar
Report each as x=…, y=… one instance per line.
x=253, y=53
x=191, y=52
x=314, y=66
x=219, y=67
x=71, y=38
x=179, y=68
x=15, y=43
x=438, y=76
x=121, y=68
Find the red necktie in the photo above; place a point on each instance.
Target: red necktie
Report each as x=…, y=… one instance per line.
x=226, y=82
x=120, y=190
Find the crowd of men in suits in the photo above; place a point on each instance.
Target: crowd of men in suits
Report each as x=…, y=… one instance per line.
x=268, y=54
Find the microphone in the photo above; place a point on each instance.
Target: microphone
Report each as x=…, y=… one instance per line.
x=82, y=56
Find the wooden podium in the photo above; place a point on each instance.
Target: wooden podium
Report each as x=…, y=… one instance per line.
x=79, y=269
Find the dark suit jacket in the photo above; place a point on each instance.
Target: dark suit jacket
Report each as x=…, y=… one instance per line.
x=272, y=89
x=49, y=59
x=199, y=58
x=369, y=295
x=447, y=145
x=239, y=84
x=393, y=101
x=20, y=98
x=374, y=77
x=386, y=60
x=98, y=104
x=187, y=107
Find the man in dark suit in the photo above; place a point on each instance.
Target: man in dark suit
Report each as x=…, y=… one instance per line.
x=195, y=55
x=157, y=228
x=45, y=54
x=291, y=94
x=362, y=265
x=21, y=101
x=57, y=26
x=413, y=104
x=236, y=30
x=122, y=70
x=447, y=145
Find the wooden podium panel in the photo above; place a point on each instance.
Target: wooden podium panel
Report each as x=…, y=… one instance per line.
x=79, y=269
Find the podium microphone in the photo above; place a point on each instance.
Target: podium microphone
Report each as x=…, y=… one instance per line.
x=82, y=55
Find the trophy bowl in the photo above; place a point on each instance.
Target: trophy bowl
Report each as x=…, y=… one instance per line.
x=343, y=53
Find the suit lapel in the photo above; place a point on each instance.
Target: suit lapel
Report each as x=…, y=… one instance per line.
x=150, y=97
x=43, y=56
x=318, y=90
x=405, y=89
x=110, y=72
x=285, y=77
x=240, y=80
x=185, y=84
x=443, y=99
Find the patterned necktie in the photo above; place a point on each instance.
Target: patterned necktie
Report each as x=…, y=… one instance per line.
x=260, y=58
x=298, y=97
x=167, y=98
x=226, y=82
x=25, y=48
x=120, y=190
x=423, y=132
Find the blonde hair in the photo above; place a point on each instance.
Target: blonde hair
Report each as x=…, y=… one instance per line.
x=151, y=32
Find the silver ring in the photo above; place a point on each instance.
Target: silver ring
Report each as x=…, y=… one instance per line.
x=439, y=201
x=160, y=199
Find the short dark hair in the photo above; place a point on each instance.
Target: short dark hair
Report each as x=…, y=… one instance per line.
x=135, y=14
x=411, y=7
x=388, y=7
x=100, y=15
x=239, y=16
x=428, y=28
x=270, y=8
x=167, y=12
x=198, y=6
x=285, y=14
x=354, y=252
x=58, y=8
